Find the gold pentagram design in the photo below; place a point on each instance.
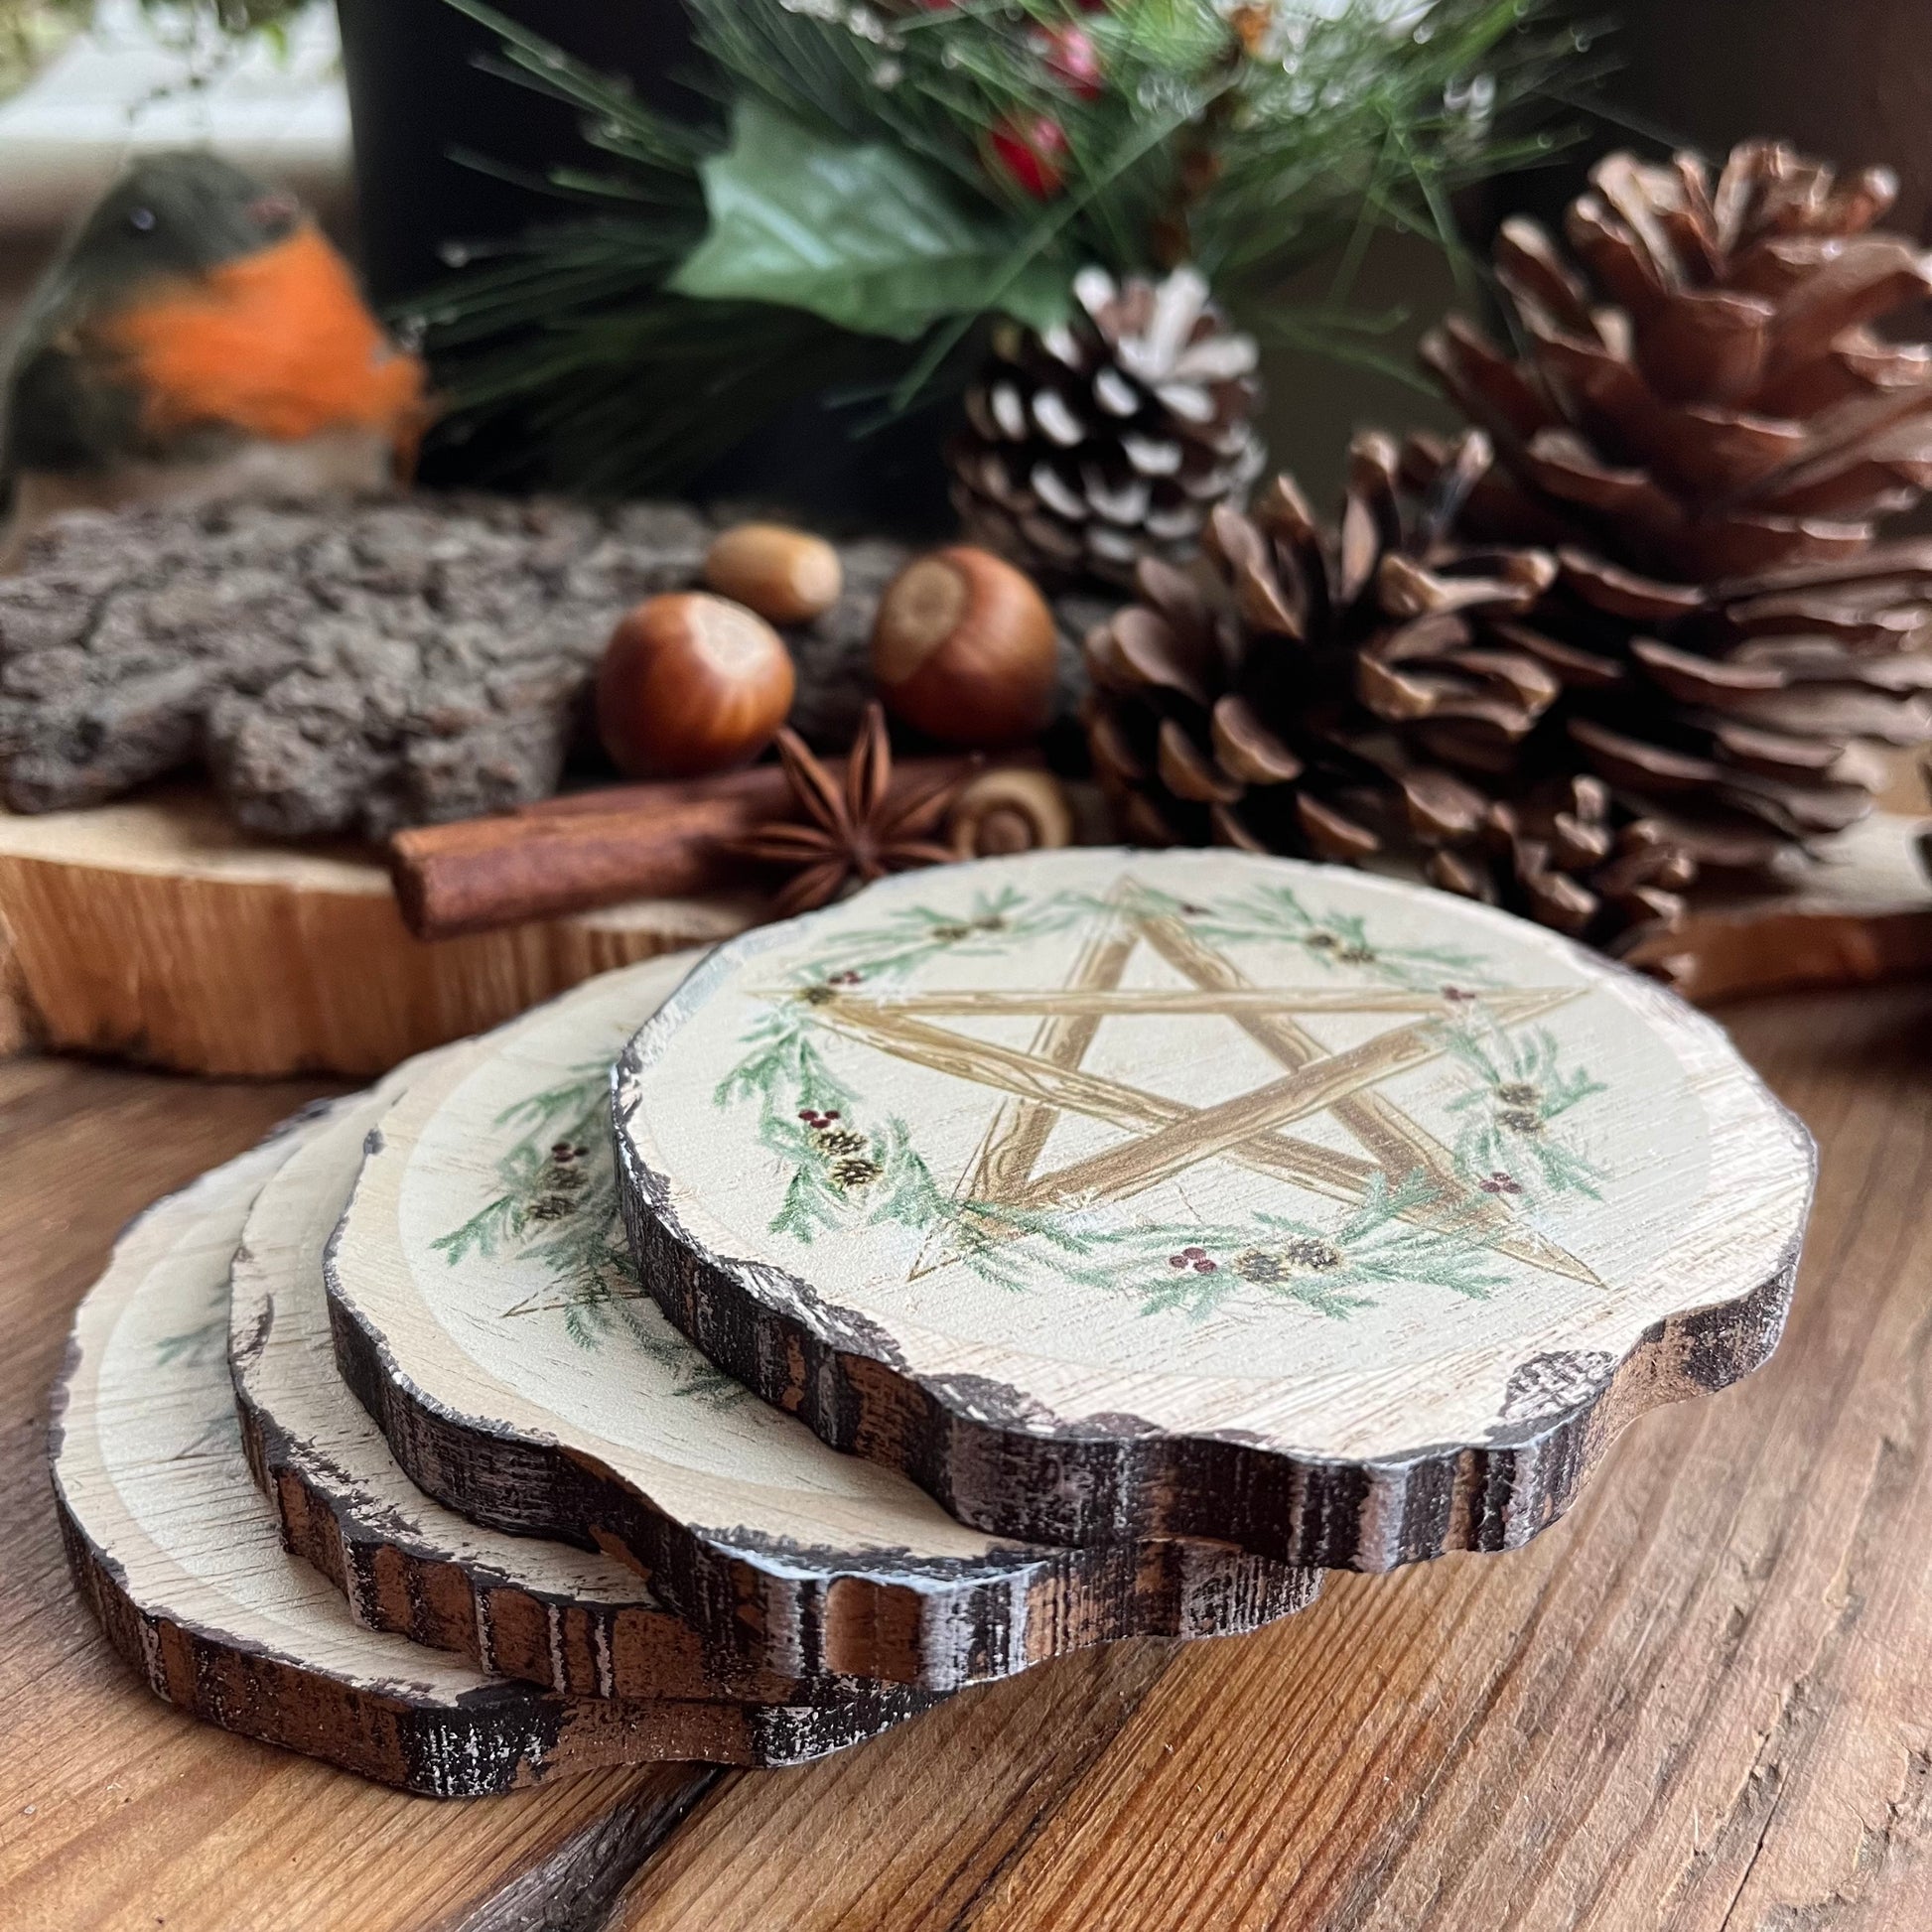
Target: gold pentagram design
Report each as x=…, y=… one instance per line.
x=1167, y=1136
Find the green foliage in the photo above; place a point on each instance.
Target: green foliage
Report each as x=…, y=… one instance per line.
x=1274, y=1257
x=851, y=210
x=861, y=237
x=1401, y=1232
x=556, y=1214
x=1518, y=1087
x=1335, y=942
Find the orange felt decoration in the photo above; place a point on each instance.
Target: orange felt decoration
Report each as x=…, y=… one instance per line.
x=278, y=343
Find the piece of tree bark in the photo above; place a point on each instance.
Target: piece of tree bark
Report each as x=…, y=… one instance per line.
x=362, y=666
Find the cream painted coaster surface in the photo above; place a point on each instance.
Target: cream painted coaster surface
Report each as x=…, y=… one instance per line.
x=180, y=1557
x=487, y=1314
x=569, y=1619
x=1114, y=1192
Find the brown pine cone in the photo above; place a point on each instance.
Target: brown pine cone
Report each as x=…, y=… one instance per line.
x=1376, y=694
x=1705, y=432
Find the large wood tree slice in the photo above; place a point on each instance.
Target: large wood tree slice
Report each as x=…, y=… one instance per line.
x=485, y=1313
x=180, y=1557
x=1115, y=1194
x=1858, y=912
x=155, y=930
x=150, y=928
x=572, y=1620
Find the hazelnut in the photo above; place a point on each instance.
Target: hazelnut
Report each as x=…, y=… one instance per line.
x=689, y=684
x=963, y=649
x=786, y=576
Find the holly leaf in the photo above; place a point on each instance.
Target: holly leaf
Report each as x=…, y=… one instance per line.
x=867, y=238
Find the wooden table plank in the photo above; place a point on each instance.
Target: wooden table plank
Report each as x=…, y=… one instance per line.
x=1703, y=1703
x=116, y=1811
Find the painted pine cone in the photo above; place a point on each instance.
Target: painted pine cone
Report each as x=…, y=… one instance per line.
x=1111, y=437
x=1705, y=431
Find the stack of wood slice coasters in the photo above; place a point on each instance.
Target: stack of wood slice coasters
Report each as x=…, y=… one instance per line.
x=745, y=1351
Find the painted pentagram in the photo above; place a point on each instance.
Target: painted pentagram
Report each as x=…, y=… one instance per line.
x=1190, y=1143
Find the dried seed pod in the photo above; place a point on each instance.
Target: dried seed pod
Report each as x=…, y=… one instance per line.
x=1010, y=810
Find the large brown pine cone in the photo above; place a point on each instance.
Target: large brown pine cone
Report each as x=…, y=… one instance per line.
x=1111, y=437
x=1705, y=431
x=1375, y=693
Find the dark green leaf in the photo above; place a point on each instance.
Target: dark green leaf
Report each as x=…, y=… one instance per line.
x=866, y=237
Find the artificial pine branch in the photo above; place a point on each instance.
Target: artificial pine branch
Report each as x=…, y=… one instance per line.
x=1137, y=135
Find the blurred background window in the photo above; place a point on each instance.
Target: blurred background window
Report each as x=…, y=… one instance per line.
x=85, y=86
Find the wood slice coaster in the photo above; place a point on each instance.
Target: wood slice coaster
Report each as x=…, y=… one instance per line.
x=570, y=1619
x=485, y=1312
x=1115, y=1194
x=180, y=1557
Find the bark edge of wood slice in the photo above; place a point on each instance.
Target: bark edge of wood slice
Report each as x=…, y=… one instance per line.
x=1336, y=1260
x=565, y=1619
x=485, y=1315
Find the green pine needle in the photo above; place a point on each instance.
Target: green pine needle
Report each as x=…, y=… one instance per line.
x=1248, y=162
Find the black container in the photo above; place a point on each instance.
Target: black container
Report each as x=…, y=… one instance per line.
x=417, y=98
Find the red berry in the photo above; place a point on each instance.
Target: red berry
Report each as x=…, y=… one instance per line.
x=1176, y=1261
x=1195, y=1254
x=1070, y=56
x=1206, y=1267
x=1031, y=152
x=831, y=1113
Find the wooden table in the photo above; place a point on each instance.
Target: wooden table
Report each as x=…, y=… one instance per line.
x=1704, y=1702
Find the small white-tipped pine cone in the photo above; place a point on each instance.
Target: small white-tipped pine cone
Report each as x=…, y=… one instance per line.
x=1110, y=437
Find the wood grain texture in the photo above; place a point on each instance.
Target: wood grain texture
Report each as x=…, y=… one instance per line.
x=1367, y=1217
x=150, y=928
x=116, y=1811
x=1862, y=914
x=487, y=1316
x=1701, y=1703
x=139, y=929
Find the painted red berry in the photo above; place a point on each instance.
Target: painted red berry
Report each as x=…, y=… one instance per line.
x=831, y=1113
x=1032, y=153
x=1176, y=1261
x=1195, y=1254
x=1206, y=1267
x=1070, y=56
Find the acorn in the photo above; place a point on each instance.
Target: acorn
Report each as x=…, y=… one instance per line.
x=786, y=576
x=963, y=649
x=691, y=683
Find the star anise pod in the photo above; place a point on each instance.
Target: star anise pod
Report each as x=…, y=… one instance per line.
x=858, y=831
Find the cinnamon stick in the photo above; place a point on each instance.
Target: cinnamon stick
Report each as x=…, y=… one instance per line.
x=595, y=848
